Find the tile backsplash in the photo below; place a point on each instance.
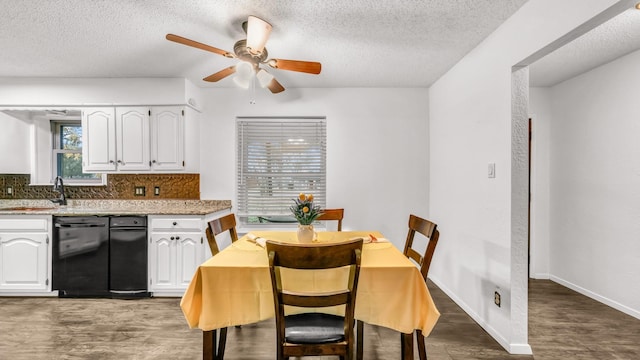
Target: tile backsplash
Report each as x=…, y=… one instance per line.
x=119, y=186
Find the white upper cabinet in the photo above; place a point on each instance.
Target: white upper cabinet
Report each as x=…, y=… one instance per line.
x=130, y=139
x=167, y=138
x=98, y=140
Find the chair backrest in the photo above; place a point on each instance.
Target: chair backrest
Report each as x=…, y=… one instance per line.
x=428, y=229
x=316, y=257
x=218, y=226
x=332, y=214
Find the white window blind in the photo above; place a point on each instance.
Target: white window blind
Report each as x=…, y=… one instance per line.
x=277, y=160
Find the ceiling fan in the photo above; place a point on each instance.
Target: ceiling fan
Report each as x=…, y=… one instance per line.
x=252, y=54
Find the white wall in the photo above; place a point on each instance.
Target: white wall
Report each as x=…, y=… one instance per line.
x=595, y=184
x=99, y=91
x=377, y=149
x=541, y=117
x=471, y=126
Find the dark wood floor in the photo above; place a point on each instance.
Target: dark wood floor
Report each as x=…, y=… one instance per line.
x=563, y=325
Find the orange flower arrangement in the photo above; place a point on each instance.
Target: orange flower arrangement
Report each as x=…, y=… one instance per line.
x=304, y=210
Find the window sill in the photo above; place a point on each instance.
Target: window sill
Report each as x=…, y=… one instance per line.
x=68, y=183
x=246, y=228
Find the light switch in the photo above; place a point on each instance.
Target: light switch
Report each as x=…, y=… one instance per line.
x=492, y=170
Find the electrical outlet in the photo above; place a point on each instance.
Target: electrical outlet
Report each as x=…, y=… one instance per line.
x=9, y=190
x=139, y=191
x=156, y=191
x=496, y=298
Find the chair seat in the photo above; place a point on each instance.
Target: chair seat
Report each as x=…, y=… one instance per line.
x=314, y=328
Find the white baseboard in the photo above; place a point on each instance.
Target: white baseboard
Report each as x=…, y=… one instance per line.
x=167, y=293
x=514, y=349
x=520, y=349
x=614, y=304
x=541, y=276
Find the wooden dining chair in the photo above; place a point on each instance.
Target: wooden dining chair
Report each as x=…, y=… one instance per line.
x=217, y=227
x=332, y=214
x=314, y=333
x=429, y=231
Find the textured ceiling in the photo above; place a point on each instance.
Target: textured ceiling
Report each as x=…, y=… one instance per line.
x=607, y=42
x=360, y=43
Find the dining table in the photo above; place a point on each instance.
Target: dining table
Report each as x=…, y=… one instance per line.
x=233, y=287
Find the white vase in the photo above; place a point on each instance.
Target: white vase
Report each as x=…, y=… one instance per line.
x=305, y=233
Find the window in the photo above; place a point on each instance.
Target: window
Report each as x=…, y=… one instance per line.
x=276, y=160
x=67, y=153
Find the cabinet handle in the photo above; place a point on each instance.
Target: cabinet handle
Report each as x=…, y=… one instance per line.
x=154, y=161
x=175, y=223
x=172, y=238
x=177, y=237
x=110, y=161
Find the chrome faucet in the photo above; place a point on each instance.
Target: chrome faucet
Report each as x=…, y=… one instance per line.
x=58, y=186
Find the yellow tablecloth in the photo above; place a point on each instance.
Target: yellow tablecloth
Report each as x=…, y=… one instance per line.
x=234, y=287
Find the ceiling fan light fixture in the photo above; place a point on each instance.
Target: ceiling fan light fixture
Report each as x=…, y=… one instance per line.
x=258, y=32
x=264, y=78
x=244, y=74
x=242, y=83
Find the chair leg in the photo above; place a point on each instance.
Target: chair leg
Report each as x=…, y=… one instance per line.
x=359, y=339
x=422, y=351
x=222, y=342
x=209, y=345
x=406, y=346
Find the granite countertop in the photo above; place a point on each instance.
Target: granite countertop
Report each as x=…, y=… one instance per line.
x=113, y=207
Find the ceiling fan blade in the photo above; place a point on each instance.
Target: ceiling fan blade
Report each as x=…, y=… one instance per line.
x=275, y=87
x=220, y=74
x=310, y=67
x=195, y=44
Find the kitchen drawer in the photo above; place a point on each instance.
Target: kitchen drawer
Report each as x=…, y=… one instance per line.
x=176, y=224
x=24, y=223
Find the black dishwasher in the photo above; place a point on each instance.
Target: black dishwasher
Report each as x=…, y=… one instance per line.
x=97, y=256
x=128, y=256
x=81, y=256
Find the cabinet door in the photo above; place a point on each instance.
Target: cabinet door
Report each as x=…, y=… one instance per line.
x=98, y=140
x=132, y=138
x=189, y=257
x=167, y=138
x=24, y=261
x=162, y=261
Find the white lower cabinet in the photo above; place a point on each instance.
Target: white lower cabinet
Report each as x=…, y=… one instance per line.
x=176, y=249
x=25, y=254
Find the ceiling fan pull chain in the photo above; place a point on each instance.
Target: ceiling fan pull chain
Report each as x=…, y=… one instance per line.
x=252, y=97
